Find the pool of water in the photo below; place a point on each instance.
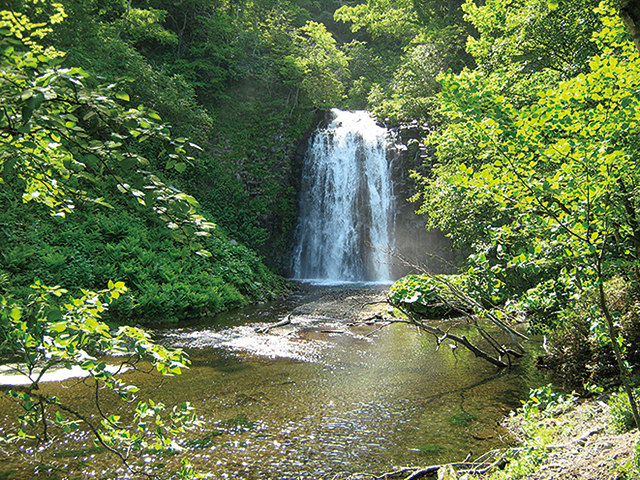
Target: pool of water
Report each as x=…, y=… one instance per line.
x=319, y=397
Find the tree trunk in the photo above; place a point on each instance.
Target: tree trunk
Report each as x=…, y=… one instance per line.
x=630, y=15
x=613, y=335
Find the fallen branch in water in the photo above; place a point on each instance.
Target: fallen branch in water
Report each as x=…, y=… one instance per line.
x=377, y=329
x=281, y=323
x=442, y=335
x=370, y=320
x=458, y=300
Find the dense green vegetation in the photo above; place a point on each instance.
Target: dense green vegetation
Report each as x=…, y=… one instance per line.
x=69, y=146
x=130, y=127
x=240, y=79
x=537, y=169
x=166, y=281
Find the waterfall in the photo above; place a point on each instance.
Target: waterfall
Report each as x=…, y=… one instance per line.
x=346, y=203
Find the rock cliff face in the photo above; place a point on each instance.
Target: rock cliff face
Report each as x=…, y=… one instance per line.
x=278, y=248
x=274, y=187
x=427, y=248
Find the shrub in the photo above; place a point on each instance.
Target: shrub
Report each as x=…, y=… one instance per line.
x=621, y=414
x=426, y=296
x=579, y=349
x=546, y=400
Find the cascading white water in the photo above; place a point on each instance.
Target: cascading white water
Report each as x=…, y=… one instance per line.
x=346, y=212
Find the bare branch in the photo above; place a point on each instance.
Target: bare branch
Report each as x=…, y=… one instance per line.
x=441, y=335
x=281, y=323
x=466, y=304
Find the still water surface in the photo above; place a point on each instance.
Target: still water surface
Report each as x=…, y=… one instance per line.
x=322, y=397
x=319, y=397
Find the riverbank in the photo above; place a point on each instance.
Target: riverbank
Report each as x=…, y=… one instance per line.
x=580, y=443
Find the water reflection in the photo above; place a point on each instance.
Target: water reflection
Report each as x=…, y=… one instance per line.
x=324, y=397
x=318, y=396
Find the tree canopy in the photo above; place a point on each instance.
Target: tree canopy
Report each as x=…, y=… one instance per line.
x=537, y=171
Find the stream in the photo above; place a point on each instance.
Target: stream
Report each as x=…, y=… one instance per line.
x=321, y=396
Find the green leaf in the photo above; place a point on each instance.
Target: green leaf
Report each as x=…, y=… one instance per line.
x=58, y=327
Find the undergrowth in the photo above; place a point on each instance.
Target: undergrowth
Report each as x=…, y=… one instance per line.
x=166, y=281
x=544, y=403
x=580, y=351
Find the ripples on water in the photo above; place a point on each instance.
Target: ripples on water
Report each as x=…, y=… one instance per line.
x=327, y=398
x=246, y=339
x=318, y=397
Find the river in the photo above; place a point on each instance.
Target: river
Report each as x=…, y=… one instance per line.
x=318, y=396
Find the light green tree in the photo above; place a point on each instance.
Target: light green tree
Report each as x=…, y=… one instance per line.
x=317, y=66
x=563, y=168
x=59, y=133
x=391, y=19
x=52, y=130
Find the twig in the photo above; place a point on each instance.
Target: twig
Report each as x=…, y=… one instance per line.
x=580, y=439
x=373, y=303
x=386, y=324
x=396, y=473
x=424, y=471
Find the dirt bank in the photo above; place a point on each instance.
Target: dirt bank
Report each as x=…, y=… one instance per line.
x=582, y=444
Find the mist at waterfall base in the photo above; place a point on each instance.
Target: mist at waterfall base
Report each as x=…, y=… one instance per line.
x=346, y=205
x=353, y=207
